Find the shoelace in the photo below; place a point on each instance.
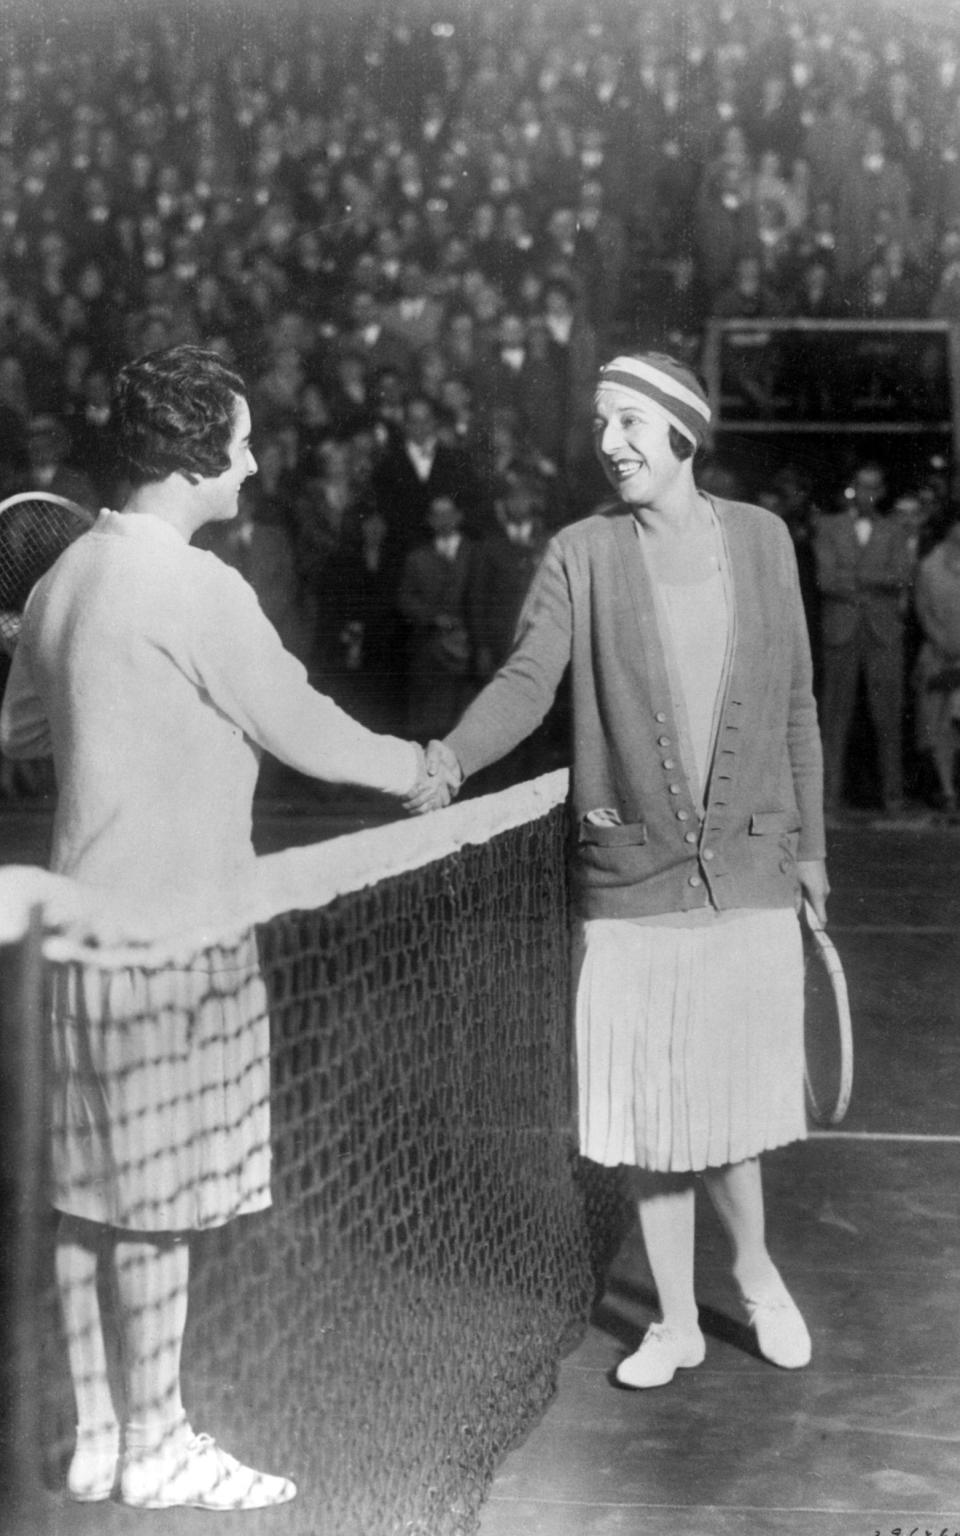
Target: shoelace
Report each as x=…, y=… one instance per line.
x=203, y=1442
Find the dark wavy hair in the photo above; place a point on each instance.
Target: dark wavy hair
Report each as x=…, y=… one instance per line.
x=175, y=412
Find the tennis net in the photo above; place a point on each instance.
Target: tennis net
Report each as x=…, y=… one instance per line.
x=394, y=1321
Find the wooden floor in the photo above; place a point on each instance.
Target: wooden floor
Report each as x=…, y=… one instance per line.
x=865, y=1224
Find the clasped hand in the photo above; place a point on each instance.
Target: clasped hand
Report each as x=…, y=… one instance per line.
x=438, y=781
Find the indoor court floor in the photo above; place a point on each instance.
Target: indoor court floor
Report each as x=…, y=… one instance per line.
x=864, y=1222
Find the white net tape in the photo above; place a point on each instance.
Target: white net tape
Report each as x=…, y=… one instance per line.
x=83, y=924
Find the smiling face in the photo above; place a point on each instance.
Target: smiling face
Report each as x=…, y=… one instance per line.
x=221, y=492
x=631, y=438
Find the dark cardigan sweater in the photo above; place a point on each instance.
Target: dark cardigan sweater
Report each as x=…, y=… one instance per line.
x=591, y=607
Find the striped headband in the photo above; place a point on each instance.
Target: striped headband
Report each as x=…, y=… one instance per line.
x=669, y=386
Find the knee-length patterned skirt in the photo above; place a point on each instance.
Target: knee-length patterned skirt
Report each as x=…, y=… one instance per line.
x=160, y=1102
x=689, y=1040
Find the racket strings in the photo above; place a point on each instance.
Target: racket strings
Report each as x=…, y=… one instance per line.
x=34, y=532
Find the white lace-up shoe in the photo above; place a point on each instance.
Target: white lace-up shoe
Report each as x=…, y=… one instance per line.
x=92, y=1474
x=663, y=1352
x=781, y=1332
x=191, y=1470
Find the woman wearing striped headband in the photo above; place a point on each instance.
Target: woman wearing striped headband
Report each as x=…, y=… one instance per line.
x=697, y=797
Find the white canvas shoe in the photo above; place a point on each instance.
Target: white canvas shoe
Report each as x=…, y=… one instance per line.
x=92, y=1474
x=193, y=1471
x=663, y=1352
x=781, y=1332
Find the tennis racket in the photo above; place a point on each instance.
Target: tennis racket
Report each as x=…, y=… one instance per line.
x=827, y=1031
x=35, y=528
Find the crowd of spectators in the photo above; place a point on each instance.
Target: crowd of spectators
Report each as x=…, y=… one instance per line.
x=415, y=228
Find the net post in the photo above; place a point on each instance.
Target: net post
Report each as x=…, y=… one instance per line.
x=22, y=1137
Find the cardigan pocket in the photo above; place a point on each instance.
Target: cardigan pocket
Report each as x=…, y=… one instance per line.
x=607, y=835
x=771, y=823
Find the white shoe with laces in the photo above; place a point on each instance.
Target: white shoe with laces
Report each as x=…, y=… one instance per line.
x=92, y=1474
x=781, y=1332
x=191, y=1470
x=663, y=1352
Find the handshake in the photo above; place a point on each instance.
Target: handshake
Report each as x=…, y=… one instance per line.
x=438, y=781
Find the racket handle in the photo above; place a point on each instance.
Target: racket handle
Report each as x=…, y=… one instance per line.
x=811, y=916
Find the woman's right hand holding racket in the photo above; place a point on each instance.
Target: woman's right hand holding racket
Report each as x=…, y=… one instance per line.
x=816, y=886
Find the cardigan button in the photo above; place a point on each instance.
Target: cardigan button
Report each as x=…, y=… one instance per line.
x=663, y=741
x=689, y=837
x=694, y=880
x=708, y=854
x=674, y=789
x=668, y=762
x=660, y=717
x=683, y=815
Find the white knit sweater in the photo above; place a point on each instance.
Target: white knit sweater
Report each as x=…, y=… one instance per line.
x=149, y=671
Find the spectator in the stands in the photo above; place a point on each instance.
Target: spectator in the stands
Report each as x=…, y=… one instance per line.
x=872, y=185
x=349, y=392
x=816, y=295
x=458, y=340
x=864, y=572
x=936, y=675
x=414, y=316
x=366, y=336
x=672, y=314
x=725, y=214
x=503, y=568
x=89, y=420
x=945, y=299
x=748, y=295
x=571, y=350
x=413, y=472
x=773, y=125
x=781, y=208
x=801, y=513
x=515, y=247
x=432, y=599
x=51, y=466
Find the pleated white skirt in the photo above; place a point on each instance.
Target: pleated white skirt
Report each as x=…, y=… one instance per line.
x=690, y=1040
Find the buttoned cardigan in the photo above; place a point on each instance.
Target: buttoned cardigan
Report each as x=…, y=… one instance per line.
x=591, y=608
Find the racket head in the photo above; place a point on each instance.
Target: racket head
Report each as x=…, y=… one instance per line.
x=827, y=1028
x=35, y=528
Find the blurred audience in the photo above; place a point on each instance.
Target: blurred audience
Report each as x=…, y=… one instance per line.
x=415, y=234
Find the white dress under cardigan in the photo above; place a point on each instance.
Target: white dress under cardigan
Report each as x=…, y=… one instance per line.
x=150, y=671
x=690, y=1026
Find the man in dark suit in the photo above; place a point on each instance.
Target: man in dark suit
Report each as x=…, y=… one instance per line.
x=432, y=598
x=413, y=472
x=864, y=569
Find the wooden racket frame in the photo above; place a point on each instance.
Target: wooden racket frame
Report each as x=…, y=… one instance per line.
x=833, y=1114
x=39, y=495
x=9, y=617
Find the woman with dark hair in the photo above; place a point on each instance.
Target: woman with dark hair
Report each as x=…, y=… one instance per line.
x=696, y=797
x=148, y=670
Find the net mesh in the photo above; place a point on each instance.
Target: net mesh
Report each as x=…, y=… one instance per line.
x=394, y=1321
